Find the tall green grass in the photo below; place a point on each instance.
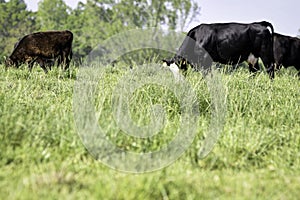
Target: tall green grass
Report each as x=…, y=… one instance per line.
x=256, y=157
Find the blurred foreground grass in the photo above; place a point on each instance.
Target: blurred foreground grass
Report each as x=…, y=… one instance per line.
x=256, y=157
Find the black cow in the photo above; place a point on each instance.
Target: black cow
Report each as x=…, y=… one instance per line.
x=227, y=43
x=287, y=51
x=46, y=62
x=43, y=48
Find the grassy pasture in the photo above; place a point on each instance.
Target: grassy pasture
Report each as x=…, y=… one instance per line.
x=256, y=157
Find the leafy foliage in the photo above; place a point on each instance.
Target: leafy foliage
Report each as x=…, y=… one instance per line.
x=15, y=22
x=91, y=22
x=52, y=15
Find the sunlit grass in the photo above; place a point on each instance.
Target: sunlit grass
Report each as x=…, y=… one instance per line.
x=256, y=157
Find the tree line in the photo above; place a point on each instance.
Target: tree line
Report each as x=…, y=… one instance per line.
x=92, y=21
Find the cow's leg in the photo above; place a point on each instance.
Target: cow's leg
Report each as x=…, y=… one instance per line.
x=67, y=63
x=277, y=67
x=267, y=57
x=298, y=68
x=65, y=58
x=30, y=63
x=269, y=66
x=253, y=63
x=271, y=71
x=49, y=65
x=69, y=58
x=67, y=55
x=63, y=61
x=41, y=62
x=59, y=60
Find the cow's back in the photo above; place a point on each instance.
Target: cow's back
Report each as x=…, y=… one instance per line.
x=286, y=50
x=224, y=41
x=231, y=40
x=48, y=43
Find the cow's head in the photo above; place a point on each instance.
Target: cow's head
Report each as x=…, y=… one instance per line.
x=8, y=62
x=181, y=63
x=166, y=63
x=173, y=67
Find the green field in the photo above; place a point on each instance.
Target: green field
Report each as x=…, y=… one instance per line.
x=256, y=157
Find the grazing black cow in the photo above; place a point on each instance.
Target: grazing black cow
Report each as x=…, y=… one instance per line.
x=287, y=51
x=227, y=43
x=46, y=62
x=43, y=48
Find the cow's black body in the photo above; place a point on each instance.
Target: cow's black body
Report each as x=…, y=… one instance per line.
x=227, y=43
x=43, y=48
x=287, y=51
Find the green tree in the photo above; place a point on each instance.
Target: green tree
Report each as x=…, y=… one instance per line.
x=91, y=23
x=77, y=23
x=52, y=14
x=15, y=22
x=99, y=19
x=174, y=14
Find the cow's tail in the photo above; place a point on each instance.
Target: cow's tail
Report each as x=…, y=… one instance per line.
x=268, y=24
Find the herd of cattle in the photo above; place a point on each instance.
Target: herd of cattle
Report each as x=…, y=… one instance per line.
x=225, y=43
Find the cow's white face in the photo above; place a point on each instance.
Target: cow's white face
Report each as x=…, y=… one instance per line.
x=175, y=70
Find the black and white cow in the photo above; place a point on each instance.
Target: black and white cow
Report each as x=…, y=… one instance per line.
x=287, y=51
x=227, y=43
